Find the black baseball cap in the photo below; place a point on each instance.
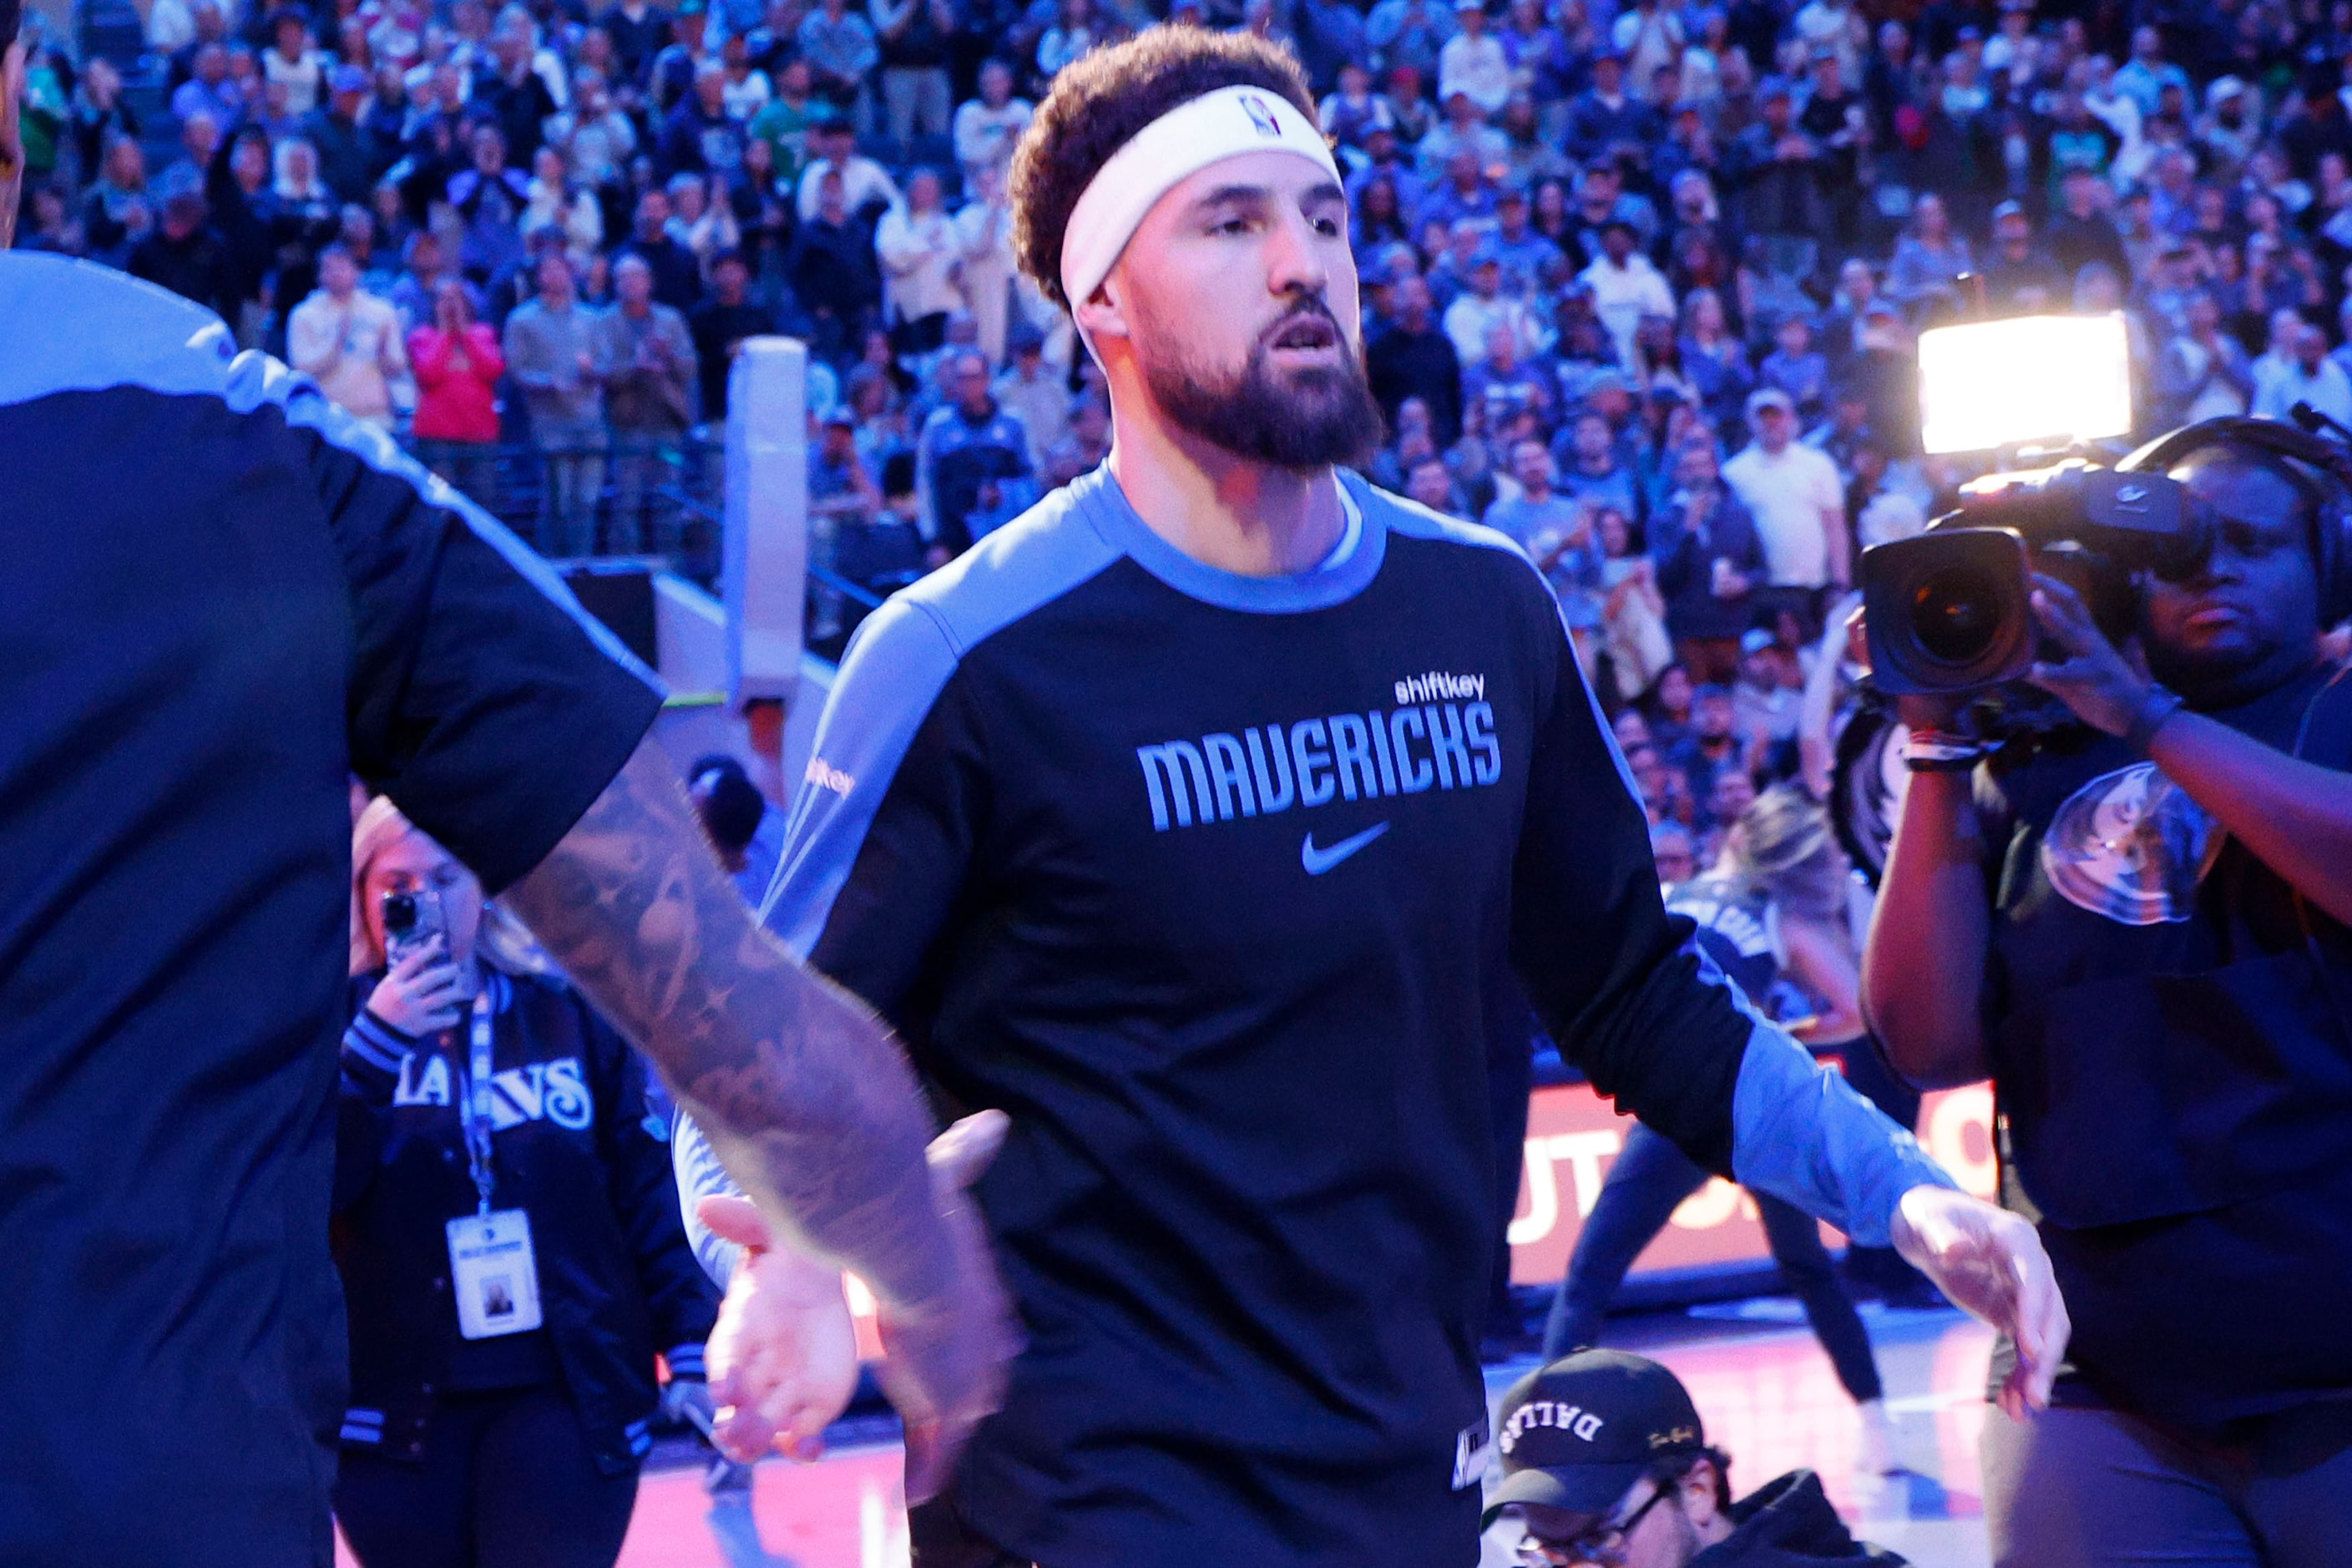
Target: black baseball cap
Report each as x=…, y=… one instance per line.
x=1578, y=1433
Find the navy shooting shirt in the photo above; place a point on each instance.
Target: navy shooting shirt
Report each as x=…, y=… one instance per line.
x=1217, y=886
x=218, y=598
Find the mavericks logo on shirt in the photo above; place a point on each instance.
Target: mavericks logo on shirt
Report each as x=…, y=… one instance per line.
x=1423, y=744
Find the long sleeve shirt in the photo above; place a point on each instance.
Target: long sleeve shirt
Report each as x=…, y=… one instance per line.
x=1229, y=949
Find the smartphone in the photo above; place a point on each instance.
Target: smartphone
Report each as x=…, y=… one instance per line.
x=412, y=921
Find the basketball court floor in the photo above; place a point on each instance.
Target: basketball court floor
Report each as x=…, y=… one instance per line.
x=1762, y=1385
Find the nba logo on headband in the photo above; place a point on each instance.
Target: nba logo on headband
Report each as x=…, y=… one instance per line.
x=1186, y=139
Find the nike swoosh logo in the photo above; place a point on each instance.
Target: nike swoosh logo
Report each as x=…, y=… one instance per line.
x=1317, y=862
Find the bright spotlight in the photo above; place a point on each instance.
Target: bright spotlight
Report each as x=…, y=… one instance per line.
x=2040, y=380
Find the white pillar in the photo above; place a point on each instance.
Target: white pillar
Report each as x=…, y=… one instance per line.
x=765, y=562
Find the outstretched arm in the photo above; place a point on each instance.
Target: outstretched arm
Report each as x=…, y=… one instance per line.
x=801, y=1088
x=798, y=1086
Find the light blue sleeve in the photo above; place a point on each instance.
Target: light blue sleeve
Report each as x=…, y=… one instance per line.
x=1801, y=1133
x=699, y=1176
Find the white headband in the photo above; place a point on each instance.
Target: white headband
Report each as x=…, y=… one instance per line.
x=1180, y=143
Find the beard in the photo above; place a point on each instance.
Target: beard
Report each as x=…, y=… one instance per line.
x=1299, y=420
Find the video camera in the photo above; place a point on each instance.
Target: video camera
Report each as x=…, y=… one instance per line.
x=1947, y=611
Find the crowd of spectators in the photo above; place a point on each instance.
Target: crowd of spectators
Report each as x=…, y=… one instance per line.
x=1642, y=280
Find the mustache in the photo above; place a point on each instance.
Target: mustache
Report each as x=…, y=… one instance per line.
x=1307, y=308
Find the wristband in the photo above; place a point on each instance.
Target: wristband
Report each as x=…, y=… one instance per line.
x=1932, y=752
x=2158, y=706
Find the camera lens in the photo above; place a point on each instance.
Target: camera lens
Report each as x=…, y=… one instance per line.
x=399, y=913
x=1956, y=613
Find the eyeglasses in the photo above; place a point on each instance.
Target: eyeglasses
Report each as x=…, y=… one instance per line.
x=1604, y=1545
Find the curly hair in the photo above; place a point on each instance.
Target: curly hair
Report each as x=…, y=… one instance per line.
x=1101, y=101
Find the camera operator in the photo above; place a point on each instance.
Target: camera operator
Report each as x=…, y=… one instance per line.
x=2138, y=933
x=470, y=1080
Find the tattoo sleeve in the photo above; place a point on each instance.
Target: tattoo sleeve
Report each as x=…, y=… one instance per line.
x=799, y=1087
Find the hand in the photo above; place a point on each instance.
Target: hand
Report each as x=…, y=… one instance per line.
x=944, y=1364
x=2103, y=687
x=423, y=995
x=783, y=1357
x=1990, y=1264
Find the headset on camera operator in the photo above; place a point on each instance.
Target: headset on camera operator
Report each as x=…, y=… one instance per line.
x=2136, y=928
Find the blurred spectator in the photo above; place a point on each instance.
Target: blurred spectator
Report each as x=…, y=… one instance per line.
x=1710, y=562
x=699, y=137
x=2205, y=374
x=118, y=211
x=2310, y=376
x=678, y=275
x=181, y=251
x=838, y=45
x=1086, y=445
x=719, y=326
x=352, y=158
x=919, y=251
x=1626, y=286
x=969, y=445
x=553, y=199
x=1793, y=493
x=1411, y=357
x=347, y=341
x=490, y=198
x=458, y=362
x=912, y=39
x=650, y=402
x=560, y=354
x=831, y=268
x=986, y=127
x=1929, y=259
x=1635, y=641
x=985, y=270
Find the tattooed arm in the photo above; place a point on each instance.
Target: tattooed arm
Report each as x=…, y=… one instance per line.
x=799, y=1087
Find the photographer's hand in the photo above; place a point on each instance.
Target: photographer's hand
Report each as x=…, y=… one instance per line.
x=422, y=994
x=2103, y=687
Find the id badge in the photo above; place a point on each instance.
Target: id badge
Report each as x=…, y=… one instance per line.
x=494, y=1273
x=1473, y=1450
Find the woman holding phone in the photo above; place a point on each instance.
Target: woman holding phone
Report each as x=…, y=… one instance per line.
x=508, y=1234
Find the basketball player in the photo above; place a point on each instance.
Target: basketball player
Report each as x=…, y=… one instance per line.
x=1199, y=820
x=223, y=598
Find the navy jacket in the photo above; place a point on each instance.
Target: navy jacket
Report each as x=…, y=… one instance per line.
x=578, y=1147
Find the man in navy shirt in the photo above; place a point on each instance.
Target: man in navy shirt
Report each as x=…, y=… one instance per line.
x=1208, y=821
x=225, y=598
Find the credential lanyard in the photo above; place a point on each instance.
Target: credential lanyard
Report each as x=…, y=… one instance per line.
x=474, y=1105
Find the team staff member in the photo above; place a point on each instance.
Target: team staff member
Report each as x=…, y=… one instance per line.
x=222, y=600
x=515, y=1442
x=2140, y=939
x=1198, y=821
